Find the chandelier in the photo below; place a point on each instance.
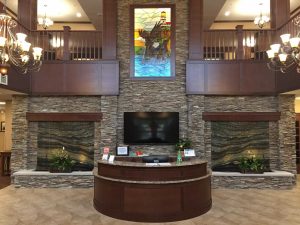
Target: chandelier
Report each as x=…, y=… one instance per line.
x=261, y=20
x=45, y=22
x=286, y=56
x=15, y=50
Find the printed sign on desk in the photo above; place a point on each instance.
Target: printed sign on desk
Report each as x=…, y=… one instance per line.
x=189, y=152
x=111, y=159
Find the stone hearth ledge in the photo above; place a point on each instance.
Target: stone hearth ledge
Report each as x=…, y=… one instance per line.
x=272, y=180
x=45, y=179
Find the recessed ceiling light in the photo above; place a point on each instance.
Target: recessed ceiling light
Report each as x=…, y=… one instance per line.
x=227, y=13
x=2, y=103
x=78, y=14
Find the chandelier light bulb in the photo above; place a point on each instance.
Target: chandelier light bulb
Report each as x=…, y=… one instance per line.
x=294, y=42
x=275, y=48
x=2, y=41
x=21, y=37
x=271, y=53
x=285, y=38
x=282, y=57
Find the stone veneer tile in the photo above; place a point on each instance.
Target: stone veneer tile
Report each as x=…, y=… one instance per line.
x=155, y=95
x=161, y=95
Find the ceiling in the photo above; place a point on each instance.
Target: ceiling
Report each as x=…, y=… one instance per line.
x=91, y=10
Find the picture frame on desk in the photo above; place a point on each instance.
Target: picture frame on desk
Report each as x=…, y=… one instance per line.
x=122, y=151
x=2, y=126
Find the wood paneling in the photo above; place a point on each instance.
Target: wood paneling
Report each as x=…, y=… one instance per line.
x=287, y=81
x=239, y=77
x=138, y=198
x=223, y=79
x=195, y=29
x=109, y=43
x=77, y=78
x=280, y=12
x=195, y=78
x=257, y=78
x=60, y=117
x=17, y=82
x=27, y=13
x=241, y=116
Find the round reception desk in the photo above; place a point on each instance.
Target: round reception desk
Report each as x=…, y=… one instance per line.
x=131, y=190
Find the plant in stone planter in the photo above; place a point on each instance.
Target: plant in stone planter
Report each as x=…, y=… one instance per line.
x=251, y=164
x=61, y=162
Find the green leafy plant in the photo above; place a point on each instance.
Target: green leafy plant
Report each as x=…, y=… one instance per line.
x=251, y=164
x=182, y=144
x=61, y=162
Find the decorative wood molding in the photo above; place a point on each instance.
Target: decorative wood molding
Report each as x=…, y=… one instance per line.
x=241, y=116
x=63, y=117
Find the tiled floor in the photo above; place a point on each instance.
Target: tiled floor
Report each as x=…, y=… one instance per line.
x=74, y=206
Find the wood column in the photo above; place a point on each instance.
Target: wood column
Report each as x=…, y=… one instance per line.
x=279, y=12
x=240, y=48
x=196, y=29
x=27, y=13
x=109, y=33
x=66, y=53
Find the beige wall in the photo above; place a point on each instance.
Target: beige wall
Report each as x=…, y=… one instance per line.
x=6, y=137
x=297, y=106
x=74, y=26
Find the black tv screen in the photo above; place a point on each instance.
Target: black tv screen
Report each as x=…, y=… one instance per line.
x=151, y=127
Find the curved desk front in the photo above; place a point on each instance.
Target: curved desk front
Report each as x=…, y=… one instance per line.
x=137, y=192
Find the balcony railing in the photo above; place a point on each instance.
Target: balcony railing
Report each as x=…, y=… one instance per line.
x=245, y=44
x=236, y=44
x=68, y=45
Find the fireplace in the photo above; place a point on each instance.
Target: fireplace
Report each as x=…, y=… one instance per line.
x=233, y=140
x=77, y=138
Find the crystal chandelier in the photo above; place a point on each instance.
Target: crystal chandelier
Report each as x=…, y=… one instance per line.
x=45, y=22
x=286, y=56
x=15, y=50
x=261, y=20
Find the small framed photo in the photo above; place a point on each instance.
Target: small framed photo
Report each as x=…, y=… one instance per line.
x=122, y=151
x=2, y=126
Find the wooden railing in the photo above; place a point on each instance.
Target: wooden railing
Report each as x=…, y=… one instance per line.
x=236, y=44
x=245, y=44
x=68, y=45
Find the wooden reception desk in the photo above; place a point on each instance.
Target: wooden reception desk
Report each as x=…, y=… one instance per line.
x=132, y=190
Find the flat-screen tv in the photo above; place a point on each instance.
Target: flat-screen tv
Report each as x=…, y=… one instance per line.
x=151, y=127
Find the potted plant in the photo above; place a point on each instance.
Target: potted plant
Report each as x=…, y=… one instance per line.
x=182, y=144
x=61, y=162
x=251, y=164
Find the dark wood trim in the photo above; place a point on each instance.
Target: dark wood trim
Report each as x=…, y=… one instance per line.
x=233, y=21
x=109, y=34
x=27, y=13
x=241, y=116
x=196, y=29
x=295, y=10
x=61, y=117
x=280, y=12
x=297, y=116
x=173, y=36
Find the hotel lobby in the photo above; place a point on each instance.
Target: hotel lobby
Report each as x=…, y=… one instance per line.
x=139, y=112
